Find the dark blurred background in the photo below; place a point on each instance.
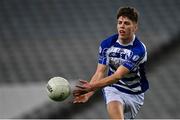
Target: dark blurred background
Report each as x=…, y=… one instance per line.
x=40, y=39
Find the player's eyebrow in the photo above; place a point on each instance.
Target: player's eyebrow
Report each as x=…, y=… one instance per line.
x=123, y=20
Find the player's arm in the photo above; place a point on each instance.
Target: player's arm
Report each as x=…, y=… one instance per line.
x=99, y=74
x=120, y=72
x=92, y=86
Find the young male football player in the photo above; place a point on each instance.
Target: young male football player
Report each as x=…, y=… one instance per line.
x=124, y=55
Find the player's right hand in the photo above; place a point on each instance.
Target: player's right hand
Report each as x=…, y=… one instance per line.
x=80, y=99
x=83, y=88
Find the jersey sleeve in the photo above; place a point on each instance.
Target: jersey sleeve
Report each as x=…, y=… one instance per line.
x=134, y=60
x=102, y=59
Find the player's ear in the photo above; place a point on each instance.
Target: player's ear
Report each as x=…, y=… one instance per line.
x=135, y=27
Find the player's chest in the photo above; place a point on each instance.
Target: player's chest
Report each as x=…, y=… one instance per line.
x=119, y=53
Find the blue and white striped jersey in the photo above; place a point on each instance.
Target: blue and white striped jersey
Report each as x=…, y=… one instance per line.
x=133, y=56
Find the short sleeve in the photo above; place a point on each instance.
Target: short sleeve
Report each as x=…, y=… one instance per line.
x=103, y=49
x=102, y=56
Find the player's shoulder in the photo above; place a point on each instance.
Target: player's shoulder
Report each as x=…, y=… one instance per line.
x=139, y=46
x=109, y=41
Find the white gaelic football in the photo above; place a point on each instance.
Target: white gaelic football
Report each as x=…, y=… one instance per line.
x=58, y=89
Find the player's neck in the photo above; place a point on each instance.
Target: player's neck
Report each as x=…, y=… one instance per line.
x=126, y=41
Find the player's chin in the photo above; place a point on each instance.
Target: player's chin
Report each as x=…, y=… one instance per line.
x=123, y=37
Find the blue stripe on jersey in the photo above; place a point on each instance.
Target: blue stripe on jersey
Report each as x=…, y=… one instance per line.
x=132, y=56
x=130, y=79
x=129, y=86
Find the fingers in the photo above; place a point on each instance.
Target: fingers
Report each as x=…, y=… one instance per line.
x=76, y=93
x=79, y=99
x=83, y=81
x=81, y=87
x=79, y=92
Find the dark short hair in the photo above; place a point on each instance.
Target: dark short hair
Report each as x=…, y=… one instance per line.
x=128, y=12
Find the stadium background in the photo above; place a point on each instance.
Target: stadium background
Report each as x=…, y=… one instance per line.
x=40, y=39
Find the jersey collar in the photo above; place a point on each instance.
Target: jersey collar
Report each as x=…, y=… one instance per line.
x=131, y=43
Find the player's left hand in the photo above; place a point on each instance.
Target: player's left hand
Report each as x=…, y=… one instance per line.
x=83, y=88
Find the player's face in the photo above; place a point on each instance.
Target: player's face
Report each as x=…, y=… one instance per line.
x=126, y=28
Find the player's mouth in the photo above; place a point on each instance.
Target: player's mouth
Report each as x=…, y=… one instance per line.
x=122, y=32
